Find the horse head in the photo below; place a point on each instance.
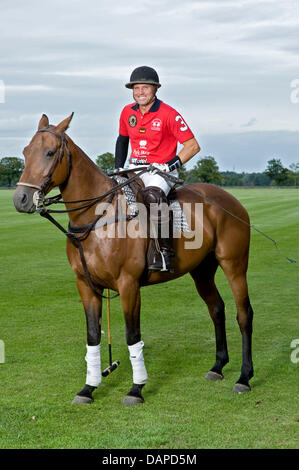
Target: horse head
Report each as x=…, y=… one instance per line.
x=47, y=163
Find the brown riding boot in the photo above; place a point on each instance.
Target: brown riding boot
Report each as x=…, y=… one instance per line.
x=160, y=229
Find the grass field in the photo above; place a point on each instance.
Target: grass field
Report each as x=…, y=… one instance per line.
x=43, y=327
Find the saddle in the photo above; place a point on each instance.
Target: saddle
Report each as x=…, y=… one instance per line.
x=160, y=254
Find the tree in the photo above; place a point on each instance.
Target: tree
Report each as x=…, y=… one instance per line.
x=295, y=171
x=182, y=172
x=255, y=179
x=276, y=172
x=11, y=169
x=206, y=170
x=105, y=162
x=231, y=178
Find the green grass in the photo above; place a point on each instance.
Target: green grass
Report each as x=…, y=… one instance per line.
x=43, y=326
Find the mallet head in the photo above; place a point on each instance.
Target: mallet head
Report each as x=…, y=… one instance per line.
x=110, y=369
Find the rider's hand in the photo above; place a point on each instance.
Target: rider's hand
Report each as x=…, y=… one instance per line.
x=160, y=166
x=171, y=165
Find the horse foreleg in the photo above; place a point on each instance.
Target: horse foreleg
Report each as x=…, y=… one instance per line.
x=93, y=310
x=130, y=299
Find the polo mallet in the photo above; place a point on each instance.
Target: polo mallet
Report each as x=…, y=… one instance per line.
x=115, y=364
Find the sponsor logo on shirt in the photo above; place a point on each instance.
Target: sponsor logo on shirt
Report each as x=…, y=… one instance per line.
x=138, y=160
x=156, y=125
x=132, y=120
x=142, y=144
x=141, y=151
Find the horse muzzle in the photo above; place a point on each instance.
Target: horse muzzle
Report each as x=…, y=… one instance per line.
x=23, y=199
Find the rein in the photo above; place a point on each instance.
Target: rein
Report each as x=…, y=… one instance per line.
x=210, y=201
x=41, y=205
x=84, y=230
x=41, y=202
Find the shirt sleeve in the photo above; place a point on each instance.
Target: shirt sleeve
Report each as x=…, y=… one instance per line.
x=123, y=124
x=121, y=151
x=178, y=127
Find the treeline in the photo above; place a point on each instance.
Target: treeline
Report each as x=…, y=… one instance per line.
x=11, y=169
x=206, y=170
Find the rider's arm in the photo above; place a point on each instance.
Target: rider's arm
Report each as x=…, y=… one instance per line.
x=121, y=150
x=190, y=148
x=178, y=127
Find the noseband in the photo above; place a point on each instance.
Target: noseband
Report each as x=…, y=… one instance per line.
x=45, y=185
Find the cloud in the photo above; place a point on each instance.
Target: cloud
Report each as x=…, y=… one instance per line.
x=250, y=151
x=225, y=65
x=27, y=88
x=250, y=123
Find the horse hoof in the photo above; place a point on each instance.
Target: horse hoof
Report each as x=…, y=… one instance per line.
x=130, y=400
x=241, y=388
x=213, y=376
x=79, y=400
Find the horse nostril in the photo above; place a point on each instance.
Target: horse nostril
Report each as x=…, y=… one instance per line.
x=24, y=199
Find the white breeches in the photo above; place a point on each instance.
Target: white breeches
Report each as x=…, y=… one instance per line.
x=150, y=179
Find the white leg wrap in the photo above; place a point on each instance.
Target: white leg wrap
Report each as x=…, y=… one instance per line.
x=93, y=359
x=137, y=361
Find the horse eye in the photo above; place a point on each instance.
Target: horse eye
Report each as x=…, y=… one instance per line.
x=50, y=153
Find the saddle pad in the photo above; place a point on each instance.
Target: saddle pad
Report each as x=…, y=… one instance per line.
x=180, y=223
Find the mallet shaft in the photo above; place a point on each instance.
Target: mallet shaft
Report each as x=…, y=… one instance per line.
x=115, y=364
x=109, y=328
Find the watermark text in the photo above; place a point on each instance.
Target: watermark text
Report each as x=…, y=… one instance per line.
x=295, y=352
x=2, y=352
x=294, y=96
x=156, y=221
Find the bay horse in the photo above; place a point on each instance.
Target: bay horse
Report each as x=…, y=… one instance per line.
x=52, y=160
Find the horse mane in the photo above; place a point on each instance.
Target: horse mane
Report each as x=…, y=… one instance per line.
x=76, y=147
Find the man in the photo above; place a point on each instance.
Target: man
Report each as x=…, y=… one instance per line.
x=154, y=130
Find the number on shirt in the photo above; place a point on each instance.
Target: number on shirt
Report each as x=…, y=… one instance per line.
x=184, y=126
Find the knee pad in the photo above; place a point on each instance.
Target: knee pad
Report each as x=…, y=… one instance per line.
x=152, y=195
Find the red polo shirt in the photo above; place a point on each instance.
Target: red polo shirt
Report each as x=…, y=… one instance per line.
x=154, y=135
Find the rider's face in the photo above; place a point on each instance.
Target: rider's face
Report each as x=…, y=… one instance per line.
x=144, y=94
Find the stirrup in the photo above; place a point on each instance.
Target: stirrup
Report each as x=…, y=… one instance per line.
x=164, y=263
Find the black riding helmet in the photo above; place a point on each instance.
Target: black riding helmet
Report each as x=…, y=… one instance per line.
x=143, y=74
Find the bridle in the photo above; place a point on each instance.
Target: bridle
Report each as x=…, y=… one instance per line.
x=45, y=185
x=41, y=205
x=44, y=212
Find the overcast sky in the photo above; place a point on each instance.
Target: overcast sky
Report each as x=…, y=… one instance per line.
x=229, y=67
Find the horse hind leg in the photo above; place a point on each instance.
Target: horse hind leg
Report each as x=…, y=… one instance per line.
x=203, y=277
x=235, y=271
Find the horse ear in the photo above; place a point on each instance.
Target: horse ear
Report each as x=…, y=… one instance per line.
x=62, y=127
x=44, y=122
